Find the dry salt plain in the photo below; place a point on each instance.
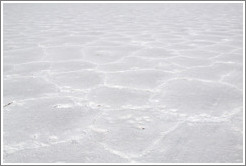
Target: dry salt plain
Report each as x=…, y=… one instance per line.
x=121, y=83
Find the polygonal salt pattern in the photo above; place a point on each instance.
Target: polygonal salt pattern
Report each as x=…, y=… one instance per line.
x=122, y=83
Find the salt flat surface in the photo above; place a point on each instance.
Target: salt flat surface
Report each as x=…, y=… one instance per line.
x=144, y=83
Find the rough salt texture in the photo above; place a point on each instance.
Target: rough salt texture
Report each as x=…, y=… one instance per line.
x=121, y=83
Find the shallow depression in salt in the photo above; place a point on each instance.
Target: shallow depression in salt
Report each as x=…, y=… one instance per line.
x=123, y=83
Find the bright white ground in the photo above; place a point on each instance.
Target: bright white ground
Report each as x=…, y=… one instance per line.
x=123, y=83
